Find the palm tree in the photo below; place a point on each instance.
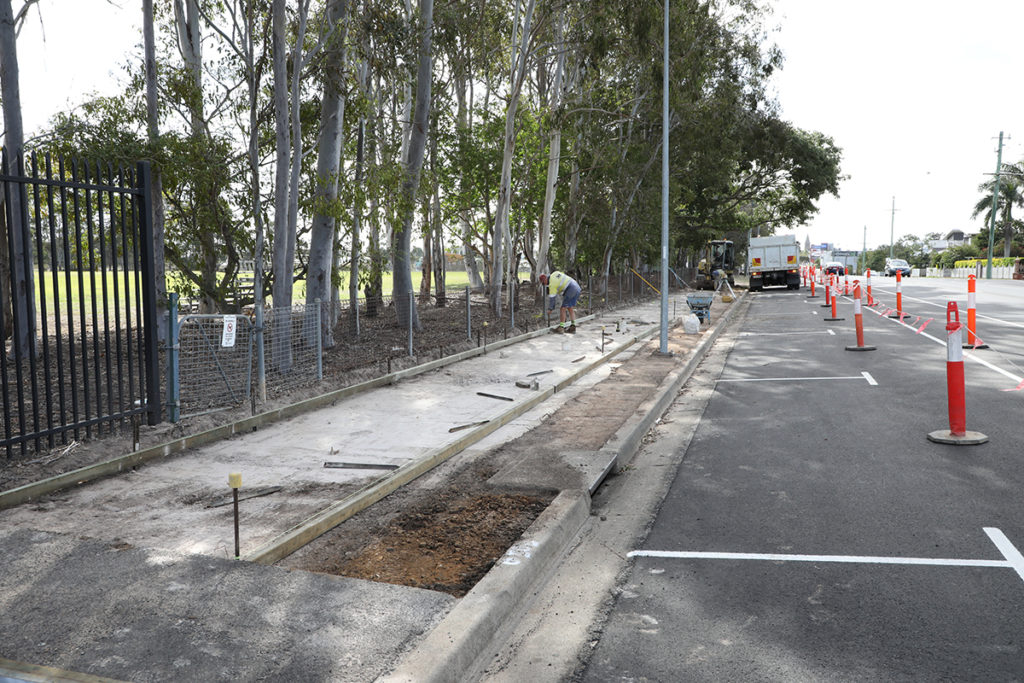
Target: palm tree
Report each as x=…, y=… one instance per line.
x=1011, y=193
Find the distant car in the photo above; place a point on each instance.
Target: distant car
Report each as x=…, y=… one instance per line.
x=894, y=265
x=835, y=268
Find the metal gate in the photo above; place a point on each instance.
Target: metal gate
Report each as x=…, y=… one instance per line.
x=78, y=327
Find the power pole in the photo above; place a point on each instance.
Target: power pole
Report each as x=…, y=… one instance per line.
x=995, y=204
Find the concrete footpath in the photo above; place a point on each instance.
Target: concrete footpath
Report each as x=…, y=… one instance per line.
x=132, y=577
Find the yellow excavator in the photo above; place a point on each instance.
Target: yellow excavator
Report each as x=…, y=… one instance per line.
x=718, y=262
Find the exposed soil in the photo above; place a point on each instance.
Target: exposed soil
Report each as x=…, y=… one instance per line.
x=446, y=545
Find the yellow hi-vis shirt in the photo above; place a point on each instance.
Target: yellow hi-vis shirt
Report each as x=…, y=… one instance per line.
x=558, y=282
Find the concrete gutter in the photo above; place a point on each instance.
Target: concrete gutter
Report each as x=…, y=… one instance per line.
x=466, y=633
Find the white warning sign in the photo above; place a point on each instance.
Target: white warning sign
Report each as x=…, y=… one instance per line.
x=227, y=337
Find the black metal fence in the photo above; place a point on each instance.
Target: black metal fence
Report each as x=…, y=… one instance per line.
x=79, y=352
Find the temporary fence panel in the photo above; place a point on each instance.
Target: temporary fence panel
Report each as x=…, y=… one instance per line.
x=211, y=364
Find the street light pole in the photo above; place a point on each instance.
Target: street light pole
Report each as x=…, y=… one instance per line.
x=995, y=203
x=664, y=190
x=892, y=226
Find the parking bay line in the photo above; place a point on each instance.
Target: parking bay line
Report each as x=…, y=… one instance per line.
x=1013, y=558
x=864, y=376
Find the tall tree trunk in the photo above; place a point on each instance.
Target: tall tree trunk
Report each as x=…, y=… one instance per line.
x=440, y=261
x=357, y=214
x=190, y=45
x=465, y=131
x=543, y=265
x=256, y=197
x=19, y=258
x=500, y=234
x=417, y=146
x=328, y=167
x=284, y=243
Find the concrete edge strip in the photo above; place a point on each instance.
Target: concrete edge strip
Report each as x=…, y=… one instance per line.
x=629, y=436
x=82, y=475
x=467, y=630
x=328, y=518
x=35, y=673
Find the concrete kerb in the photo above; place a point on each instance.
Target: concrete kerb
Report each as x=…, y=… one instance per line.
x=628, y=437
x=22, y=494
x=454, y=646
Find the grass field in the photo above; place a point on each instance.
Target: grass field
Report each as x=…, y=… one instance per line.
x=93, y=282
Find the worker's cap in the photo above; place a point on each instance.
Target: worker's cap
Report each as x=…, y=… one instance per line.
x=543, y=278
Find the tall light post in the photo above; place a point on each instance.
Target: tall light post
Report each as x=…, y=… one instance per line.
x=892, y=227
x=664, y=190
x=995, y=204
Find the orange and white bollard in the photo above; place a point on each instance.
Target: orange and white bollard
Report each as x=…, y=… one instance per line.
x=898, y=313
x=957, y=433
x=828, y=293
x=813, y=295
x=835, y=295
x=871, y=301
x=972, y=315
x=846, y=282
x=858, y=317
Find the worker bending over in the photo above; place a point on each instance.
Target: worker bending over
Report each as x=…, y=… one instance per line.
x=560, y=284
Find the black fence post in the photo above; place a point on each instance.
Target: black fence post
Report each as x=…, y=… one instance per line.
x=149, y=322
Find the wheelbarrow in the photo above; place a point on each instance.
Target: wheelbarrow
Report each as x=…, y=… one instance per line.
x=700, y=304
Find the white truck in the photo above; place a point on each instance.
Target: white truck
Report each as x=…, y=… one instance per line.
x=774, y=262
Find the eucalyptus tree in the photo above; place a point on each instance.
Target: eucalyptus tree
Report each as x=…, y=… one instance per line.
x=500, y=234
x=331, y=137
x=15, y=251
x=416, y=151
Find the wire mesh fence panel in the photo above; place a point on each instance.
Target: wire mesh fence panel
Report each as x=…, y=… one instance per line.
x=215, y=362
x=293, y=346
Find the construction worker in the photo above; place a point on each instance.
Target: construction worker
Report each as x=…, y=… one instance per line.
x=560, y=284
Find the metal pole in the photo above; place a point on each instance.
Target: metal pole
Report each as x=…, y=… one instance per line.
x=410, y=323
x=864, y=264
x=995, y=203
x=319, y=343
x=469, y=318
x=664, y=188
x=173, y=349
x=892, y=226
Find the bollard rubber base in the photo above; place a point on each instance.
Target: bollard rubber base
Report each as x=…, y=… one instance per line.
x=975, y=346
x=861, y=348
x=897, y=314
x=826, y=305
x=812, y=296
x=833, y=320
x=968, y=438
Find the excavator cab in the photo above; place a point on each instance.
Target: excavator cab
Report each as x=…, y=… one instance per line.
x=718, y=263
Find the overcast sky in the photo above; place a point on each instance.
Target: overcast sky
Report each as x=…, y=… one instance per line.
x=915, y=92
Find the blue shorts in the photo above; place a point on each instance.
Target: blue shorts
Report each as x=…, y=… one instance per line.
x=571, y=295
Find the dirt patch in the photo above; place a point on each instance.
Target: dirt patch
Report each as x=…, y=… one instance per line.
x=447, y=545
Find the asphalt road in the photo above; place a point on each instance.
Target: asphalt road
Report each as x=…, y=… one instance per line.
x=813, y=533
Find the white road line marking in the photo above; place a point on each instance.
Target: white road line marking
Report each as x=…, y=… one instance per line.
x=956, y=298
x=972, y=356
x=870, y=379
x=789, y=379
x=782, y=334
x=1012, y=555
x=831, y=332
x=850, y=559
